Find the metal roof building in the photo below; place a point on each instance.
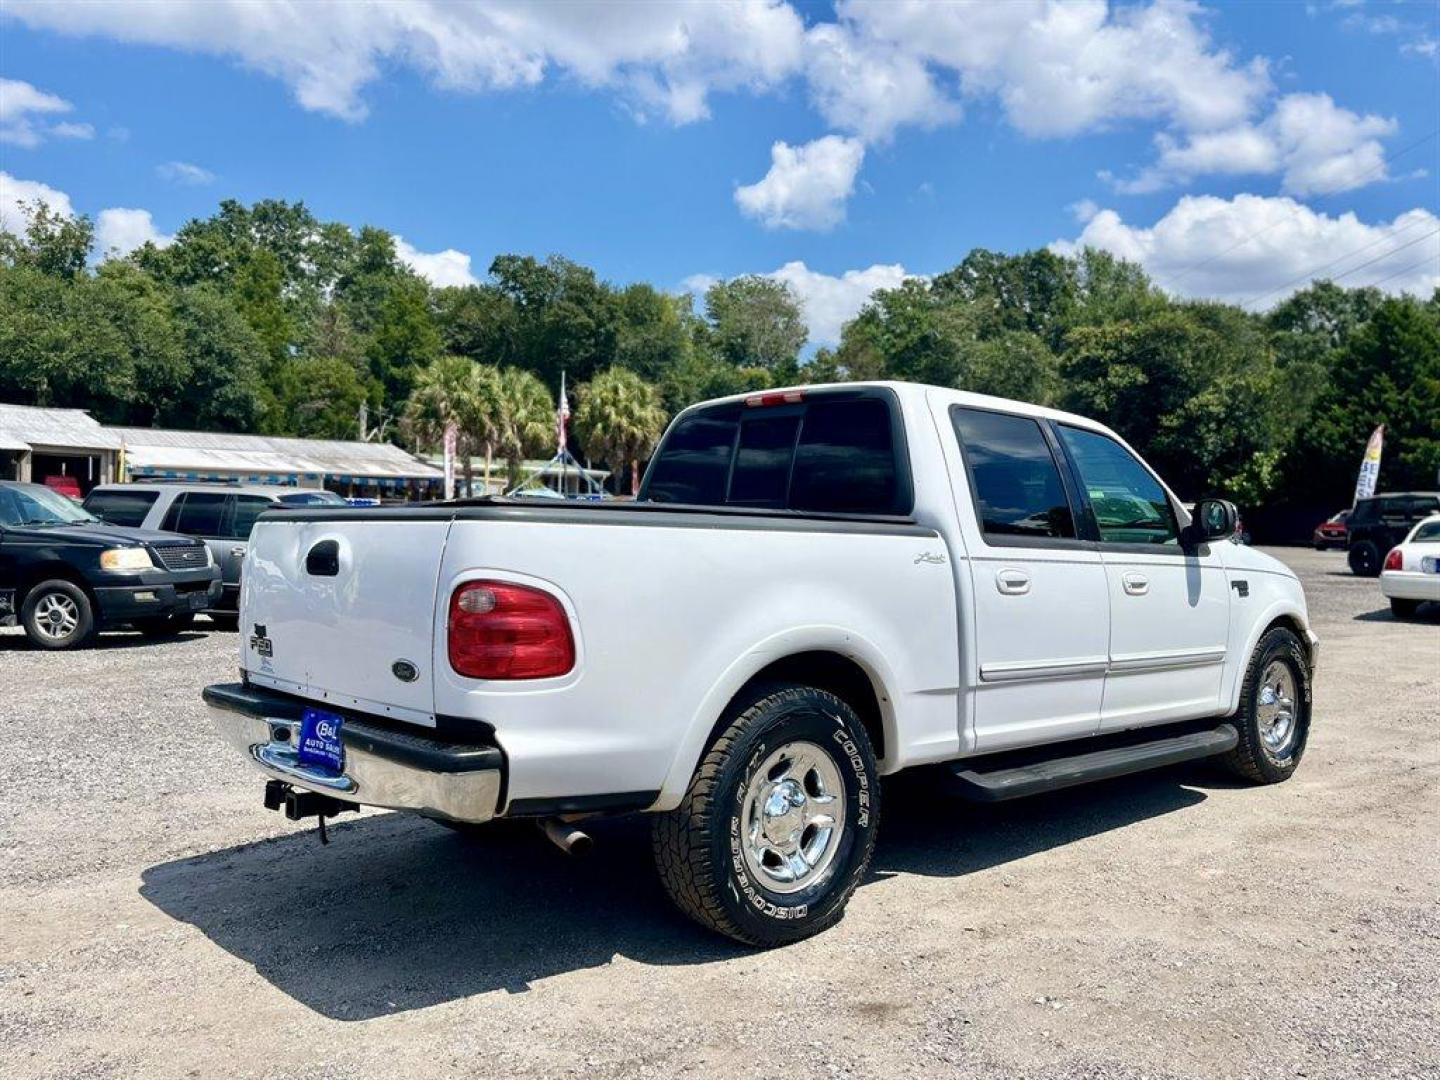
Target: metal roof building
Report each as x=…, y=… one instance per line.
x=52, y=445
x=201, y=455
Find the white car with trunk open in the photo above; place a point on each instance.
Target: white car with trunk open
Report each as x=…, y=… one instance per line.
x=817, y=588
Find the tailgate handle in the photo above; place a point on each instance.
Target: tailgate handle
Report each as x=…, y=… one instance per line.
x=324, y=559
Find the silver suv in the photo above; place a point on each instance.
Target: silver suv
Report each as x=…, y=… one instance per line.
x=220, y=514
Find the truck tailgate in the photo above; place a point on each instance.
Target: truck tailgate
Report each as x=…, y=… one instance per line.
x=345, y=610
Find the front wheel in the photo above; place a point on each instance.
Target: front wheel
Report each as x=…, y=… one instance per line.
x=778, y=825
x=57, y=614
x=1274, y=716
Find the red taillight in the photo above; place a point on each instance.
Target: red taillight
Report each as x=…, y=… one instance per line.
x=500, y=630
x=1395, y=560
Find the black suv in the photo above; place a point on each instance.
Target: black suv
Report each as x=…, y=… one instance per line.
x=1379, y=523
x=64, y=574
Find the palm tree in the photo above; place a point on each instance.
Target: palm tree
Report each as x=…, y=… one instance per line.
x=456, y=390
x=525, y=419
x=620, y=419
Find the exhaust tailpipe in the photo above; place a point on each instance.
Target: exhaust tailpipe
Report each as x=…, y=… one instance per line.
x=566, y=837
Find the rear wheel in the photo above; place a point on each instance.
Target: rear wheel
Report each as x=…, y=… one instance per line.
x=57, y=614
x=778, y=825
x=1403, y=609
x=1365, y=559
x=1274, y=716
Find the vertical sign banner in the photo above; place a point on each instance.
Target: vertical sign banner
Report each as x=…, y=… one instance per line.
x=1370, y=465
x=452, y=437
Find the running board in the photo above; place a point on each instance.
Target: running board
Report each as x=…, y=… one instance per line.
x=1052, y=774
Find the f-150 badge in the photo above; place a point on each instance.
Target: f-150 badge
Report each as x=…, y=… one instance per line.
x=260, y=643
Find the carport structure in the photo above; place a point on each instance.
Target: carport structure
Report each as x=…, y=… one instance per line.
x=349, y=468
x=65, y=448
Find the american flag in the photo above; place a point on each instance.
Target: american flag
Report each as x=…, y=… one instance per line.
x=562, y=419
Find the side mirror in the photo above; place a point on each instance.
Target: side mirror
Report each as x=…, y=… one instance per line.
x=1214, y=519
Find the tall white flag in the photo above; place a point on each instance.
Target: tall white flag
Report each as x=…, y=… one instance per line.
x=1370, y=465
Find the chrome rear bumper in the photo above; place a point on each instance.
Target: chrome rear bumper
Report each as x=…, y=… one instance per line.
x=398, y=770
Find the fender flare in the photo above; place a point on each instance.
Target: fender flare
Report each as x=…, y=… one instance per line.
x=1281, y=608
x=835, y=639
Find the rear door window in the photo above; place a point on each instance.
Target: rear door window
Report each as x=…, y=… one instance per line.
x=197, y=513
x=1014, y=477
x=121, y=507
x=247, y=509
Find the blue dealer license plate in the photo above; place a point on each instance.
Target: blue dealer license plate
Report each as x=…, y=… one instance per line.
x=320, y=744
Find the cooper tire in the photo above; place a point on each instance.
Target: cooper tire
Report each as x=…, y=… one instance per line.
x=1404, y=609
x=753, y=815
x=57, y=614
x=1365, y=559
x=1277, y=680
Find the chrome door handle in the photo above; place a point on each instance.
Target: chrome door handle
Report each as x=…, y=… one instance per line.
x=1012, y=582
x=238, y=551
x=1136, y=584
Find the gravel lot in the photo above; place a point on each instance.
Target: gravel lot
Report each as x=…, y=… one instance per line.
x=158, y=922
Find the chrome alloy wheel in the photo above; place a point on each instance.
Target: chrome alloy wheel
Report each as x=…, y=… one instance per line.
x=1275, y=708
x=793, y=817
x=56, y=616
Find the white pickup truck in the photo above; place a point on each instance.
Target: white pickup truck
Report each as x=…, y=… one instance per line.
x=816, y=588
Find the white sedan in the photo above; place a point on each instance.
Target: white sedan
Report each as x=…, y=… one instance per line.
x=1412, y=569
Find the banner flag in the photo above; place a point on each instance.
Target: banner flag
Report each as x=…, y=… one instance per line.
x=1370, y=465
x=562, y=419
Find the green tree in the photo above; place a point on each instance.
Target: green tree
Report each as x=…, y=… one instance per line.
x=1388, y=372
x=565, y=317
x=223, y=388
x=52, y=243
x=320, y=397
x=405, y=338
x=525, y=419
x=757, y=322
x=620, y=420
x=455, y=390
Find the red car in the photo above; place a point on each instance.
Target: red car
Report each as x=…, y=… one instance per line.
x=1334, y=532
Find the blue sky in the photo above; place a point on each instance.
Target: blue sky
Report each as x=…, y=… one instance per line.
x=1232, y=148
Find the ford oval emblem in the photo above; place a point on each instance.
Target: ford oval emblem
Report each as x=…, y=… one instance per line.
x=405, y=671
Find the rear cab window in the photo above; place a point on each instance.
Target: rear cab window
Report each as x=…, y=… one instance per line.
x=121, y=507
x=836, y=452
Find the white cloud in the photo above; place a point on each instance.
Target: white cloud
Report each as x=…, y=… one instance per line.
x=183, y=172
x=666, y=55
x=870, y=87
x=18, y=196
x=440, y=268
x=22, y=109
x=1262, y=249
x=807, y=186
x=830, y=302
x=68, y=129
x=120, y=230
x=1061, y=69
x=1319, y=147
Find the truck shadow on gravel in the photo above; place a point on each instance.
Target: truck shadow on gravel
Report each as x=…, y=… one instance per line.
x=101, y=642
x=398, y=913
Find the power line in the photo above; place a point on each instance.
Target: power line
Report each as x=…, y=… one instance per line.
x=1353, y=269
x=1397, y=273
x=1390, y=159
x=1309, y=274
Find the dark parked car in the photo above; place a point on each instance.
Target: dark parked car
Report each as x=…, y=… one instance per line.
x=1377, y=524
x=65, y=574
x=1333, y=532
